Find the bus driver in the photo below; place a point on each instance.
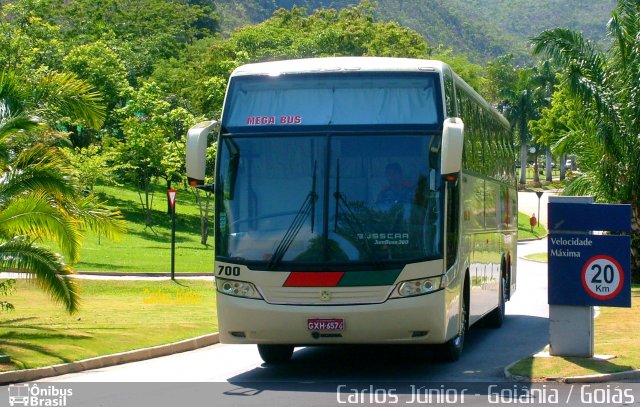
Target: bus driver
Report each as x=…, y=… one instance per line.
x=398, y=190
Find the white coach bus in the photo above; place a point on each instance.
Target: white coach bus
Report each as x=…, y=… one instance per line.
x=358, y=201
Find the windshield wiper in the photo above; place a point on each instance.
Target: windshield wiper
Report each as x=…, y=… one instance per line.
x=308, y=207
x=352, y=219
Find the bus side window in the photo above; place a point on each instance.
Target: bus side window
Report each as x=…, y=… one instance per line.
x=449, y=94
x=453, y=221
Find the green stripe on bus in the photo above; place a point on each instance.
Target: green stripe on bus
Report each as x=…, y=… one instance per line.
x=369, y=278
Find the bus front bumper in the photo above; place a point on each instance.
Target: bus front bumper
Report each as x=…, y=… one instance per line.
x=412, y=320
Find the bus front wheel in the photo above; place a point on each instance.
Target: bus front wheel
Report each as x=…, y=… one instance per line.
x=275, y=354
x=452, y=349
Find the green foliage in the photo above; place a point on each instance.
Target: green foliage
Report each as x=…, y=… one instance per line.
x=153, y=143
x=141, y=32
x=100, y=66
x=327, y=32
x=90, y=164
x=28, y=37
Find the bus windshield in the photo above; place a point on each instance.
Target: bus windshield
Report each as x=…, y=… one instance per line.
x=332, y=100
x=308, y=200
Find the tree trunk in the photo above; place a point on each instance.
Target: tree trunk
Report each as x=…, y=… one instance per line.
x=573, y=162
x=168, y=202
x=536, y=170
x=523, y=164
x=549, y=168
x=204, y=214
x=635, y=242
x=563, y=167
x=147, y=202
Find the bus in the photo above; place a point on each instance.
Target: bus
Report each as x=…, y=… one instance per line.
x=358, y=200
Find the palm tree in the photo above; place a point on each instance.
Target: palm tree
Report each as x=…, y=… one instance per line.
x=608, y=86
x=544, y=81
x=519, y=94
x=519, y=111
x=38, y=194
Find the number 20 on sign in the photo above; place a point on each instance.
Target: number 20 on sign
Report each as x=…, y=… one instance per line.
x=602, y=277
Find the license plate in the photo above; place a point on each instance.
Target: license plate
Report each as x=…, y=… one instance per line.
x=332, y=324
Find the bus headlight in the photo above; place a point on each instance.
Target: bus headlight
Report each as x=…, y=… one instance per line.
x=417, y=287
x=237, y=288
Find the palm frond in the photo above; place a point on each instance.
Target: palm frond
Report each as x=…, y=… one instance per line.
x=95, y=216
x=583, y=185
x=39, y=168
x=35, y=215
x=585, y=68
x=566, y=46
x=12, y=124
x=623, y=28
x=12, y=94
x=67, y=95
x=44, y=268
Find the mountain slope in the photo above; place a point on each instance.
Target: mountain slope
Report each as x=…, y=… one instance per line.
x=483, y=29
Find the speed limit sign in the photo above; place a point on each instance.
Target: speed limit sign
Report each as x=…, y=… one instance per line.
x=602, y=277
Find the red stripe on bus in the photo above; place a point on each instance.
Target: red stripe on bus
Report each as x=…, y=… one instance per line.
x=313, y=279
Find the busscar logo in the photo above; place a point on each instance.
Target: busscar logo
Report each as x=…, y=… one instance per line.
x=33, y=395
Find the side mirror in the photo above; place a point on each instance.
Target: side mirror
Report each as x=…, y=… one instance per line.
x=196, y=157
x=452, y=143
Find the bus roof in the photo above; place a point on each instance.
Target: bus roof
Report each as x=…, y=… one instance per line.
x=339, y=64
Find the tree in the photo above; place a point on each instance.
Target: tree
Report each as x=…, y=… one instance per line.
x=608, y=88
x=141, y=32
x=90, y=164
x=101, y=67
x=28, y=40
x=38, y=194
x=558, y=125
x=153, y=143
x=519, y=93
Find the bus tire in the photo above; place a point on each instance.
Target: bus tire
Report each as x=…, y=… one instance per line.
x=275, y=354
x=496, y=317
x=452, y=349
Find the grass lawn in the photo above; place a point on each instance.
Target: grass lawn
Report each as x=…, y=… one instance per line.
x=524, y=228
x=611, y=338
x=148, y=249
x=114, y=316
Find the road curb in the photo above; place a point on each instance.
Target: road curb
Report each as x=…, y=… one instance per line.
x=28, y=375
x=533, y=239
x=601, y=378
x=139, y=274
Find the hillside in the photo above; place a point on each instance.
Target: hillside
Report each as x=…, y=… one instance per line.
x=483, y=29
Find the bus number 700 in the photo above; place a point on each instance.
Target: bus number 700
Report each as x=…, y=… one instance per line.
x=228, y=271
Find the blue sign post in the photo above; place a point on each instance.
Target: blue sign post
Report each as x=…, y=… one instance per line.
x=585, y=269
